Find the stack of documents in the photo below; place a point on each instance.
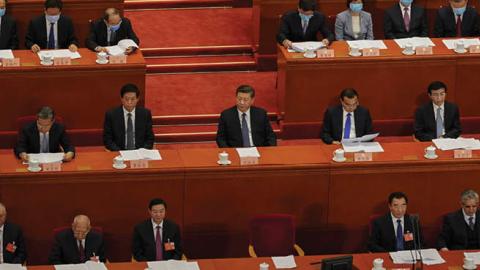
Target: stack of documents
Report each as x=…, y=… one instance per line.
x=415, y=42
x=46, y=157
x=8, y=266
x=362, y=144
x=366, y=44
x=429, y=256
x=450, y=43
x=459, y=143
x=141, y=153
x=7, y=54
x=59, y=53
x=473, y=255
x=173, y=265
x=284, y=262
x=89, y=265
x=248, y=152
x=121, y=47
x=303, y=46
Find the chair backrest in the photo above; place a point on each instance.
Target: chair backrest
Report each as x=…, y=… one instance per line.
x=272, y=234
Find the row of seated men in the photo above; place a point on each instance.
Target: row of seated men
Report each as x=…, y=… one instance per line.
x=53, y=30
x=402, y=20
x=129, y=127
x=158, y=238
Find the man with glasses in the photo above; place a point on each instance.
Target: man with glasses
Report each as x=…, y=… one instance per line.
x=346, y=120
x=44, y=136
x=438, y=118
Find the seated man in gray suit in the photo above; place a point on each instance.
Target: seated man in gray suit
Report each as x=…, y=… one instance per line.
x=354, y=23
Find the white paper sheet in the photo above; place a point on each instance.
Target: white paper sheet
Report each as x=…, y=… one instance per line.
x=364, y=138
x=8, y=54
x=459, y=143
x=415, y=41
x=60, y=53
x=91, y=265
x=450, y=43
x=79, y=266
x=367, y=44
x=303, y=46
x=473, y=255
x=429, y=256
x=47, y=157
x=141, y=153
x=9, y=266
x=173, y=265
x=285, y=262
x=248, y=152
x=121, y=47
x=369, y=147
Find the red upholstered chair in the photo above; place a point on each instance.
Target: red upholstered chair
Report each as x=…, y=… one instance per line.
x=273, y=235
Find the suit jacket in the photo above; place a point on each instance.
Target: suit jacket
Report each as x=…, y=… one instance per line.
x=383, y=237
x=291, y=28
x=12, y=234
x=37, y=33
x=453, y=234
x=426, y=126
x=29, y=139
x=143, y=246
x=65, y=248
x=8, y=33
x=446, y=25
x=333, y=123
x=229, y=133
x=98, y=34
x=394, y=27
x=114, y=129
x=344, y=30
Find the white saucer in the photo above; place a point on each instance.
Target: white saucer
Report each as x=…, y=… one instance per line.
x=412, y=52
x=339, y=160
x=34, y=170
x=227, y=163
x=101, y=62
x=355, y=54
x=120, y=167
x=460, y=51
x=314, y=55
x=433, y=157
x=382, y=268
x=46, y=63
x=471, y=268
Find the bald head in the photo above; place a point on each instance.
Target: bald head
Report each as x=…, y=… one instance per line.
x=3, y=211
x=81, y=226
x=112, y=16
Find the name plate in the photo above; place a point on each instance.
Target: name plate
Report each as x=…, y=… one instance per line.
x=325, y=53
x=248, y=161
x=52, y=167
x=118, y=59
x=362, y=156
x=62, y=61
x=423, y=50
x=15, y=62
x=139, y=164
x=462, y=153
x=474, y=49
x=371, y=52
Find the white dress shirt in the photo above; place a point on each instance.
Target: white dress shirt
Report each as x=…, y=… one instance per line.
x=155, y=229
x=55, y=32
x=352, y=124
x=442, y=113
x=395, y=223
x=467, y=217
x=125, y=117
x=247, y=118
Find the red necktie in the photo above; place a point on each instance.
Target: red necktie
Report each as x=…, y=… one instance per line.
x=406, y=19
x=158, y=244
x=81, y=251
x=459, y=26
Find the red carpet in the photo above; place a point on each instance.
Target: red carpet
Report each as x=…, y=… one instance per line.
x=206, y=93
x=192, y=27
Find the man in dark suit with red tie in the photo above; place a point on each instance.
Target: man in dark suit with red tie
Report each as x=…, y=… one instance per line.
x=404, y=20
x=244, y=125
x=457, y=20
x=12, y=242
x=8, y=29
x=157, y=238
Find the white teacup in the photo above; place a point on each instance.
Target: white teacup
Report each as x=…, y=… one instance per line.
x=378, y=263
x=264, y=266
x=310, y=51
x=47, y=58
x=430, y=151
x=102, y=56
x=468, y=263
x=459, y=46
x=118, y=161
x=339, y=154
x=409, y=47
x=223, y=157
x=354, y=50
x=33, y=164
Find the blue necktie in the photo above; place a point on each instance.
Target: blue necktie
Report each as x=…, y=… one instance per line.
x=245, y=131
x=51, y=37
x=399, y=235
x=348, y=126
x=439, y=123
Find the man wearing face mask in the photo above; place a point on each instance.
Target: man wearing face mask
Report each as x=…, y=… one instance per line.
x=303, y=25
x=109, y=30
x=8, y=29
x=405, y=20
x=52, y=30
x=457, y=20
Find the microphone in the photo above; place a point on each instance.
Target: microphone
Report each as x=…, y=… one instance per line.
x=417, y=245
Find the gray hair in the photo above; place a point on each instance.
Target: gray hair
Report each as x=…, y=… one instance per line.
x=46, y=113
x=469, y=194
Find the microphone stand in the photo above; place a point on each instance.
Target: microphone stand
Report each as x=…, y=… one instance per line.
x=416, y=237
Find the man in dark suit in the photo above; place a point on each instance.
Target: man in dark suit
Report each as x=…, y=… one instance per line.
x=77, y=245
x=405, y=20
x=395, y=230
x=157, y=238
x=456, y=20
x=8, y=29
x=44, y=136
x=244, y=125
x=109, y=30
x=52, y=30
x=303, y=25
x=337, y=121
x=128, y=127
x=461, y=229
x=438, y=118
x=13, y=245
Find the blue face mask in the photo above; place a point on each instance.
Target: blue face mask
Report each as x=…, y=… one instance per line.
x=459, y=11
x=2, y=11
x=406, y=2
x=304, y=17
x=356, y=7
x=52, y=18
x=115, y=27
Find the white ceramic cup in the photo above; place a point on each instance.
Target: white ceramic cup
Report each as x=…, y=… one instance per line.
x=223, y=157
x=102, y=56
x=430, y=151
x=339, y=154
x=33, y=164
x=409, y=47
x=310, y=51
x=459, y=45
x=469, y=263
x=118, y=161
x=264, y=266
x=378, y=263
x=354, y=50
x=47, y=58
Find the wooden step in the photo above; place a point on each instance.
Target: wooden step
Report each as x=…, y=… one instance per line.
x=201, y=64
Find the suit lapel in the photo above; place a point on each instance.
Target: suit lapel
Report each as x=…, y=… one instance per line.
x=253, y=115
x=348, y=27
x=43, y=32
x=339, y=124
x=74, y=246
x=391, y=229
x=357, y=120
x=446, y=115
x=431, y=118
x=121, y=116
x=36, y=138
x=237, y=128
x=60, y=32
